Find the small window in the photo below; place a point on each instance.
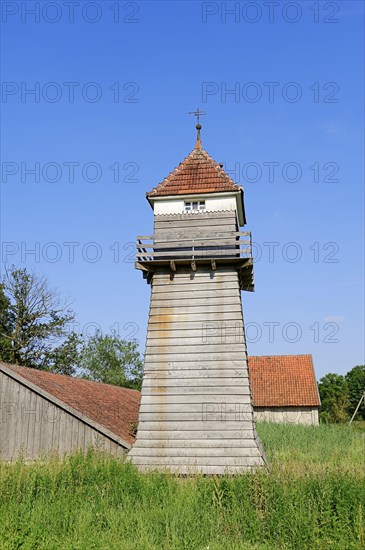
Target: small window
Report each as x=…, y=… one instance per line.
x=196, y=206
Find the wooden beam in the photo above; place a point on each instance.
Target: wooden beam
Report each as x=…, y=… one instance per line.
x=358, y=406
x=214, y=266
x=172, y=265
x=228, y=251
x=140, y=266
x=193, y=265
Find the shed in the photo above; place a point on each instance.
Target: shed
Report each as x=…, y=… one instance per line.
x=43, y=413
x=284, y=389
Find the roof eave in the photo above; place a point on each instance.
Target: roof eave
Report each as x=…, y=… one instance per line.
x=315, y=380
x=283, y=406
x=241, y=208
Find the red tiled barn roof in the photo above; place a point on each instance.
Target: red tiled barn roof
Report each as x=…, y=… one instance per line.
x=283, y=381
x=113, y=407
x=197, y=174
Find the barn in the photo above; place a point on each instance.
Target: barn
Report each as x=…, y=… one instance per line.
x=284, y=389
x=43, y=413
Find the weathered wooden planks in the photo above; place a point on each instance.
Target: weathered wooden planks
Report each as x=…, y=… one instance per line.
x=196, y=410
x=203, y=407
x=194, y=309
x=32, y=426
x=196, y=294
x=186, y=224
x=192, y=373
x=169, y=286
x=186, y=338
x=157, y=317
x=193, y=329
x=196, y=394
x=207, y=363
x=247, y=440
x=192, y=452
x=194, y=356
x=205, y=382
x=189, y=418
x=199, y=277
x=196, y=399
x=208, y=252
x=179, y=437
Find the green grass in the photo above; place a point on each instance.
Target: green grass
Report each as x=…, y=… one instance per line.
x=314, y=498
x=359, y=425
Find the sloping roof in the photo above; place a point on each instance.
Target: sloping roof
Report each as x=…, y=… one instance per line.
x=283, y=381
x=197, y=174
x=112, y=407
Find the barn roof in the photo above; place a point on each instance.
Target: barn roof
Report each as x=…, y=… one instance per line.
x=283, y=381
x=110, y=407
x=197, y=174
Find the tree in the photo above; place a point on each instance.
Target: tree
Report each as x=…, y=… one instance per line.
x=64, y=358
x=112, y=360
x=356, y=384
x=334, y=393
x=6, y=325
x=35, y=324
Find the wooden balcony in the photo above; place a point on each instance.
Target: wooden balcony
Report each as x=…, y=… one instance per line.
x=233, y=247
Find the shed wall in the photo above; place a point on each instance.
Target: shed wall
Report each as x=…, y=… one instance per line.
x=290, y=415
x=34, y=427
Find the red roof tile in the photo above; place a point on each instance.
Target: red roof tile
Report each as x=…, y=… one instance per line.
x=113, y=407
x=197, y=174
x=283, y=381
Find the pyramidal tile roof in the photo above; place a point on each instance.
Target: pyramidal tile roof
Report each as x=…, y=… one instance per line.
x=197, y=174
x=283, y=381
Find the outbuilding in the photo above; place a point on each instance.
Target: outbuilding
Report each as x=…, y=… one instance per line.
x=43, y=413
x=284, y=389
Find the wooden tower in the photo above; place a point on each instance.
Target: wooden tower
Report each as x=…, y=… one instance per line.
x=196, y=411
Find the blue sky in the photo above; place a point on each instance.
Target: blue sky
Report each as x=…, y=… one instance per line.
x=283, y=89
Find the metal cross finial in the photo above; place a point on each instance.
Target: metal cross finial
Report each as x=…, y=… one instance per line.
x=198, y=114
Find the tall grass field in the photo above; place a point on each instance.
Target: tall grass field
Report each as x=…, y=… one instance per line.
x=313, y=498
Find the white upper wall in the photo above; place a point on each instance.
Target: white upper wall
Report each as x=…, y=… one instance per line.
x=212, y=204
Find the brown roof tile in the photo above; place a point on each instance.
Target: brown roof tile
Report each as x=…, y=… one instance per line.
x=197, y=174
x=283, y=381
x=113, y=407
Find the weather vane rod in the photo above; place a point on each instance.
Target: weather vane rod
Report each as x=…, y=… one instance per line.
x=198, y=113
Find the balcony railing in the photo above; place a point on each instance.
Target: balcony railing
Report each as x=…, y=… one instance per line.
x=230, y=245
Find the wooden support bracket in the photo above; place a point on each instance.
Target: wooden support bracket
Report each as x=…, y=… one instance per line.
x=172, y=265
x=214, y=266
x=193, y=265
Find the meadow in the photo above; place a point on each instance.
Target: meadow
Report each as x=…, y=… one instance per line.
x=313, y=498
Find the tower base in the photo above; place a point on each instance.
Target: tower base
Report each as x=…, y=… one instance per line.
x=196, y=412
